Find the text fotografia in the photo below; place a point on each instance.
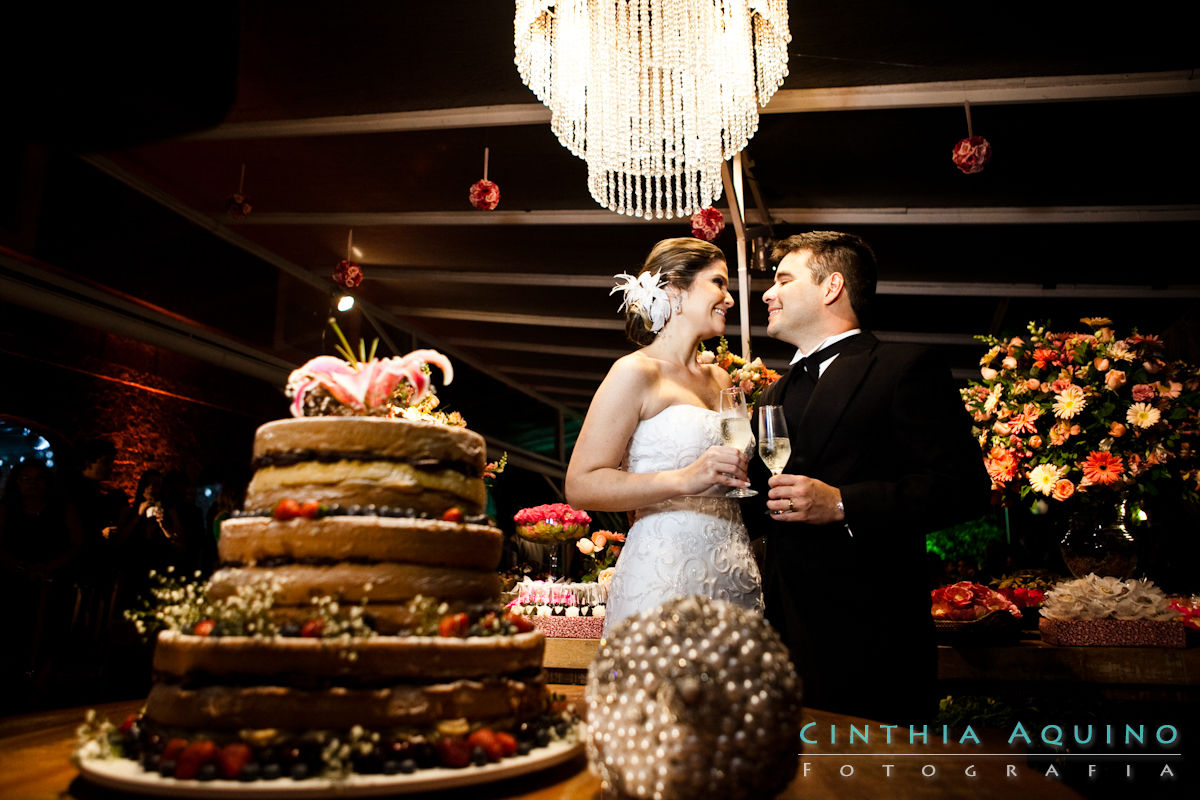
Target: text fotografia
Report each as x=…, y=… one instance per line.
x=1094, y=751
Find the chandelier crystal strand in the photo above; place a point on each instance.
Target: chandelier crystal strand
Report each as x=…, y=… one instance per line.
x=653, y=94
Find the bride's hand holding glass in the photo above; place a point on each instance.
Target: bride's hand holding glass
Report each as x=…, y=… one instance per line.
x=735, y=430
x=717, y=468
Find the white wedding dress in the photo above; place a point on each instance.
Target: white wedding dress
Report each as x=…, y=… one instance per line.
x=686, y=545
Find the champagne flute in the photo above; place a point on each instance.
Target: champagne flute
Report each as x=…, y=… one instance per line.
x=735, y=428
x=774, y=447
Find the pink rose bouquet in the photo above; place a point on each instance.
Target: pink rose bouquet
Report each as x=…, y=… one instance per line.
x=551, y=523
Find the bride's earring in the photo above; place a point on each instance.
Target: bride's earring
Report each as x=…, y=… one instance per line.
x=678, y=306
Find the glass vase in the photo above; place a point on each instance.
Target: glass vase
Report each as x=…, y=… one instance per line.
x=1100, y=540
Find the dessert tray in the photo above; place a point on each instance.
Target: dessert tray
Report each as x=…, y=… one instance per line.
x=127, y=775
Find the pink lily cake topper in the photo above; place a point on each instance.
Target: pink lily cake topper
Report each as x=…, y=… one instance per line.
x=365, y=385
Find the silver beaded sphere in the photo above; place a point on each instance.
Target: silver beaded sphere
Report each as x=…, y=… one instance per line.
x=694, y=698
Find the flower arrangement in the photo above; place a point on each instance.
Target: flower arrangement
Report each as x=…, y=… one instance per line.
x=752, y=377
x=1060, y=415
x=551, y=523
x=1093, y=597
x=362, y=385
x=1026, y=588
x=1189, y=610
x=494, y=469
x=966, y=601
x=600, y=549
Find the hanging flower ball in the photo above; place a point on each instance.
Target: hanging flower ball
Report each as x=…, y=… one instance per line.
x=694, y=698
x=347, y=274
x=707, y=224
x=237, y=205
x=972, y=154
x=484, y=195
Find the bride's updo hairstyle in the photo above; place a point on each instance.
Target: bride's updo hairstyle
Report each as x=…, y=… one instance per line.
x=677, y=262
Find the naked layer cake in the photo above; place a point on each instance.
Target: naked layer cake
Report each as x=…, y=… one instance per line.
x=355, y=622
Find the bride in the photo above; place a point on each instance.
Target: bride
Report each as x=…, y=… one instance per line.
x=651, y=442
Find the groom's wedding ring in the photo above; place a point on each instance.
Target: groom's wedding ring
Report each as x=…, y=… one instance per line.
x=791, y=507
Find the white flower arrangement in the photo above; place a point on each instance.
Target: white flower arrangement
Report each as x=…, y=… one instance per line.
x=1093, y=597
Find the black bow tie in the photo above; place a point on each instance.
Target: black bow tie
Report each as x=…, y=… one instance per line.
x=812, y=364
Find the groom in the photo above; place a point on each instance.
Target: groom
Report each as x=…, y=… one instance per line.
x=882, y=453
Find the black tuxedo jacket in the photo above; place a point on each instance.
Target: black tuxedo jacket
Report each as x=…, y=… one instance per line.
x=886, y=426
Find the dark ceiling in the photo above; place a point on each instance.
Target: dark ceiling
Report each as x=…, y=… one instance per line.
x=374, y=118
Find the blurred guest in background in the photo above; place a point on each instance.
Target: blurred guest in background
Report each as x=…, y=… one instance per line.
x=41, y=536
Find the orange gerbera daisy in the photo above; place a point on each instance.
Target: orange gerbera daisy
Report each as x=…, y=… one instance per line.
x=1043, y=356
x=1102, y=468
x=1001, y=465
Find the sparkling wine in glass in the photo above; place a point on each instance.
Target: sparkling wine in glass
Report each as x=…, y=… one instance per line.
x=774, y=447
x=735, y=428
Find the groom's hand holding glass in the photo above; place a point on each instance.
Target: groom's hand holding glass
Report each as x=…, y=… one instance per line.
x=799, y=498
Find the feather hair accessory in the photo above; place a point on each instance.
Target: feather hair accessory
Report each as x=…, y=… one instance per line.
x=645, y=290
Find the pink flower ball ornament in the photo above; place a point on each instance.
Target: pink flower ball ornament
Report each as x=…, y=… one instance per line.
x=484, y=195
x=972, y=154
x=707, y=224
x=347, y=274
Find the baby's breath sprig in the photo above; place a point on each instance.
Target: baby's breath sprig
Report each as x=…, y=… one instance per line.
x=175, y=603
x=427, y=612
x=93, y=739
x=341, y=621
x=185, y=606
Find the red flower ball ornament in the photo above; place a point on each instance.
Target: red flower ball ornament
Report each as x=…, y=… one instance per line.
x=972, y=154
x=347, y=274
x=237, y=205
x=484, y=195
x=707, y=224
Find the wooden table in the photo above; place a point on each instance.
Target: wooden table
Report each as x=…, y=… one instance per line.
x=35, y=751
x=1026, y=667
x=1159, y=674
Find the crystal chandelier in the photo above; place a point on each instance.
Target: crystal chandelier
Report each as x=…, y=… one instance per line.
x=653, y=94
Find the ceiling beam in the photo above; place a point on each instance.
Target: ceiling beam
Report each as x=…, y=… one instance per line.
x=1057, y=88
x=542, y=320
x=319, y=282
x=567, y=390
x=899, y=215
x=920, y=288
x=548, y=372
x=433, y=119
x=608, y=354
x=510, y=318
x=33, y=286
x=1050, y=89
